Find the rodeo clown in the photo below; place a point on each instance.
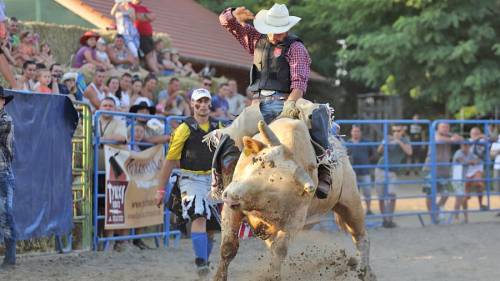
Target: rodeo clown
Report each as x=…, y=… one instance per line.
x=279, y=76
x=194, y=158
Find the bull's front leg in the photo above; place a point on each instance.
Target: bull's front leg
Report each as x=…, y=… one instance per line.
x=279, y=249
x=231, y=221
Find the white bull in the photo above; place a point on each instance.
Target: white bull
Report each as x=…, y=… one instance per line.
x=273, y=187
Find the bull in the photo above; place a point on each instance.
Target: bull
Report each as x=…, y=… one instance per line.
x=273, y=187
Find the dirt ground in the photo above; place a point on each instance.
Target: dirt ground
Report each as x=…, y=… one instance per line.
x=447, y=252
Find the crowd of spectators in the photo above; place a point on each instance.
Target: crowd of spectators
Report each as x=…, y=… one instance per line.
x=460, y=166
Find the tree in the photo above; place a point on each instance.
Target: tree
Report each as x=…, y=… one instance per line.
x=441, y=51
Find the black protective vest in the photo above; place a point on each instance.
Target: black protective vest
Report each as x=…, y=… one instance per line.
x=196, y=156
x=270, y=69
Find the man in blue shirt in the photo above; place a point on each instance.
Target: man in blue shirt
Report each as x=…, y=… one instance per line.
x=361, y=155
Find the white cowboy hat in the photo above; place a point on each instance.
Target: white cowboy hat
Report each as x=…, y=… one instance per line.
x=275, y=20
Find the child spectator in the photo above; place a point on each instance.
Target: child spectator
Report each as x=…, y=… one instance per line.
x=13, y=28
x=46, y=56
x=139, y=134
x=465, y=160
x=495, y=154
x=44, y=78
x=69, y=80
x=86, y=56
x=478, y=147
x=101, y=54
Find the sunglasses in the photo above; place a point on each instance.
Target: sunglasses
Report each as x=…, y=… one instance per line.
x=207, y=84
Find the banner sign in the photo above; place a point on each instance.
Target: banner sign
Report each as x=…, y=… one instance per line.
x=131, y=181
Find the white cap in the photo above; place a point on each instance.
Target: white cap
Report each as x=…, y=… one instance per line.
x=69, y=75
x=200, y=93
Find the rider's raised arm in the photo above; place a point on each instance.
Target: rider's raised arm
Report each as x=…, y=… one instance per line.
x=245, y=33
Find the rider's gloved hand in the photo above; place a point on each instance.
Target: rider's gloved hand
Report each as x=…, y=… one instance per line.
x=290, y=110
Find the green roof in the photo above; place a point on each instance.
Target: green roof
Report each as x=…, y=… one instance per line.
x=44, y=11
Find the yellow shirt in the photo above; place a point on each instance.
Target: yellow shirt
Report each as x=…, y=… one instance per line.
x=177, y=140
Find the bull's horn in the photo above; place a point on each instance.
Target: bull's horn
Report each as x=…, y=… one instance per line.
x=268, y=137
x=305, y=181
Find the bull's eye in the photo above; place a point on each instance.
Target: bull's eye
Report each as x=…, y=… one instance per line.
x=272, y=164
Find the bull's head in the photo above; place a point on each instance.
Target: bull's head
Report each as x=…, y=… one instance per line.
x=269, y=175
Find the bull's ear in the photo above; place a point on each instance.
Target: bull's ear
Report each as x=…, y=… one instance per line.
x=252, y=146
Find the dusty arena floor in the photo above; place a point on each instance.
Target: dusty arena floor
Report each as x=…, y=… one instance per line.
x=451, y=252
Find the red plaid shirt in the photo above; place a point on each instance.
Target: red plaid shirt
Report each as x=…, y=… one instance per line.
x=297, y=55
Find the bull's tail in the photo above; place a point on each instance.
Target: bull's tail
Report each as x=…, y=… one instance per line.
x=341, y=223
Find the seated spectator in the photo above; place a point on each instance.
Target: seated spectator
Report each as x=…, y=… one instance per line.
x=111, y=89
x=236, y=101
x=69, y=82
x=136, y=89
x=220, y=106
x=479, y=143
x=180, y=68
x=149, y=88
x=124, y=91
x=174, y=85
x=57, y=72
x=463, y=159
x=44, y=79
x=86, y=56
x=27, y=49
x=46, y=56
x=177, y=105
x=28, y=76
x=101, y=54
x=206, y=83
x=120, y=56
x=166, y=65
x=95, y=93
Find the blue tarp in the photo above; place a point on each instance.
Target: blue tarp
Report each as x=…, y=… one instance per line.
x=43, y=126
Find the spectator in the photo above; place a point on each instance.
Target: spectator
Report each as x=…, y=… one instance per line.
x=13, y=28
x=95, y=93
x=101, y=55
x=149, y=88
x=112, y=86
x=57, y=72
x=220, y=106
x=28, y=48
x=120, y=56
x=111, y=129
x=398, y=149
x=150, y=135
x=206, y=83
x=165, y=63
x=86, y=56
x=417, y=134
x=136, y=90
x=46, y=56
x=236, y=101
x=495, y=154
x=479, y=143
x=44, y=79
x=4, y=64
x=143, y=19
x=124, y=91
x=7, y=180
x=139, y=134
x=362, y=155
x=174, y=85
x=125, y=16
x=444, y=140
x=28, y=76
x=178, y=106
x=181, y=69
x=69, y=82
x=462, y=160
x=195, y=160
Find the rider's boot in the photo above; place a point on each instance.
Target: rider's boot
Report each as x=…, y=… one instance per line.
x=320, y=131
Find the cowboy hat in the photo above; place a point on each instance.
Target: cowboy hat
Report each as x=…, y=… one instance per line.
x=142, y=105
x=87, y=35
x=274, y=20
x=5, y=96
